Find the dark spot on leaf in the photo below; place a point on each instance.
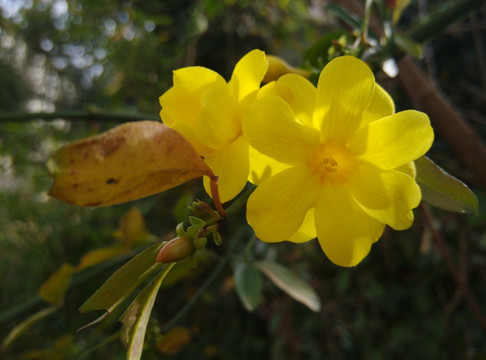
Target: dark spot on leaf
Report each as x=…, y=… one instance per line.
x=111, y=181
x=109, y=145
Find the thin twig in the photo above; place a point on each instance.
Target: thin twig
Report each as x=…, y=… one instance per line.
x=88, y=115
x=469, y=297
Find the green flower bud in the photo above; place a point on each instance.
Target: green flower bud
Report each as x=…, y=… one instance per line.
x=176, y=250
x=204, y=211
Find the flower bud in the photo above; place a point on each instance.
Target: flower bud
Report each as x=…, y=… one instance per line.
x=203, y=211
x=278, y=67
x=176, y=250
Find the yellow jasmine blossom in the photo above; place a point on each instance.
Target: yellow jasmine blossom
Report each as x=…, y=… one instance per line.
x=208, y=111
x=349, y=160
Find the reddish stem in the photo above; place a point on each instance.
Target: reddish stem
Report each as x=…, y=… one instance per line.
x=215, y=196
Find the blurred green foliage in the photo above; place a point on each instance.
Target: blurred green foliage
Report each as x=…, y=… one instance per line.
x=400, y=303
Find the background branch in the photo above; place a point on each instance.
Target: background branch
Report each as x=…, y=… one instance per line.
x=88, y=115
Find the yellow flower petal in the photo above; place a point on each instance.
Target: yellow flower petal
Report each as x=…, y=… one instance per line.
x=297, y=91
x=271, y=128
x=387, y=196
x=231, y=165
x=262, y=166
x=344, y=92
x=344, y=230
x=248, y=74
x=196, y=79
x=381, y=105
x=218, y=122
x=179, y=105
x=190, y=134
x=408, y=168
x=395, y=140
x=307, y=230
x=278, y=206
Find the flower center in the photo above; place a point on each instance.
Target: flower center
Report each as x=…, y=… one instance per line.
x=333, y=163
x=329, y=164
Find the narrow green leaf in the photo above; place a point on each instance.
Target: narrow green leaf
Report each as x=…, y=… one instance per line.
x=124, y=281
x=442, y=190
x=400, y=6
x=249, y=285
x=291, y=283
x=137, y=315
x=55, y=287
x=408, y=46
x=25, y=325
x=344, y=16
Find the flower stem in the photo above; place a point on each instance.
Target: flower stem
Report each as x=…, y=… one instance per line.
x=239, y=202
x=215, y=196
x=366, y=21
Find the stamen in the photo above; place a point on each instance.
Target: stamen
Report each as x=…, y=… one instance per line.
x=329, y=164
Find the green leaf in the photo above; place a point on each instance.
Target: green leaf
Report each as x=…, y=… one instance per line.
x=317, y=54
x=442, y=190
x=124, y=281
x=344, y=16
x=291, y=283
x=400, y=6
x=128, y=162
x=408, y=46
x=197, y=221
x=55, y=287
x=249, y=285
x=25, y=325
x=137, y=315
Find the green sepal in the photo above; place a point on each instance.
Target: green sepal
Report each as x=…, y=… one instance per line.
x=196, y=221
x=216, y=238
x=180, y=230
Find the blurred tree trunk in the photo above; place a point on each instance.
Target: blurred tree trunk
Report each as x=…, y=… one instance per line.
x=447, y=121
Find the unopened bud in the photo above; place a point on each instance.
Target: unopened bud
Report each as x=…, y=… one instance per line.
x=205, y=212
x=176, y=250
x=278, y=67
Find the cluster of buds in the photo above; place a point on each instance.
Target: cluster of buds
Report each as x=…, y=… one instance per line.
x=195, y=237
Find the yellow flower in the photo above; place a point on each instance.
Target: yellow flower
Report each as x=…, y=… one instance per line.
x=208, y=112
x=348, y=158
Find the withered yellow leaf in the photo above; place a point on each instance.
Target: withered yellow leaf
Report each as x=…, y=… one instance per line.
x=128, y=162
x=54, y=289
